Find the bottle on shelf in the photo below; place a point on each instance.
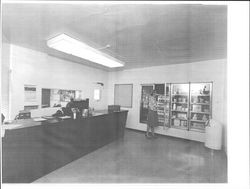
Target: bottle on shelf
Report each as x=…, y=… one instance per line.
x=194, y=117
x=204, y=118
x=174, y=106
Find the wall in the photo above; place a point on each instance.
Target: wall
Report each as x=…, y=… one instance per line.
x=213, y=70
x=5, y=67
x=44, y=71
x=32, y=67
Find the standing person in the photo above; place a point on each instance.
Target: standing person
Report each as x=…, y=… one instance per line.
x=152, y=120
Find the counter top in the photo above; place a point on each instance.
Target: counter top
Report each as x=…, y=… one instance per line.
x=23, y=123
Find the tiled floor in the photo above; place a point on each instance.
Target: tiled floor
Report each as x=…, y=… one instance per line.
x=135, y=159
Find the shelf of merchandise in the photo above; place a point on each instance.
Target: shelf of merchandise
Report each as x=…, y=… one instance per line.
x=196, y=120
x=201, y=130
x=160, y=110
x=207, y=104
x=200, y=105
x=201, y=95
x=179, y=106
x=179, y=111
x=145, y=92
x=180, y=94
x=193, y=112
x=185, y=108
x=163, y=108
x=181, y=119
x=180, y=102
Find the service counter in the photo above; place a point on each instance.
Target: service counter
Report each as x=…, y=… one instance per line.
x=34, y=149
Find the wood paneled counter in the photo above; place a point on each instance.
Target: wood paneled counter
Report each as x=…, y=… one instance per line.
x=37, y=148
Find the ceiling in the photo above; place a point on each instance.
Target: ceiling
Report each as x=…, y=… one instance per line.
x=139, y=35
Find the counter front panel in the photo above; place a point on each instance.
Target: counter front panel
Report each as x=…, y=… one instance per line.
x=34, y=150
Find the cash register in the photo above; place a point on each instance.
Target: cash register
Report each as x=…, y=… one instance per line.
x=23, y=114
x=114, y=108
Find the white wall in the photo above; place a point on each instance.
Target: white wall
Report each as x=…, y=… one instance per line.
x=5, y=66
x=36, y=68
x=44, y=71
x=213, y=70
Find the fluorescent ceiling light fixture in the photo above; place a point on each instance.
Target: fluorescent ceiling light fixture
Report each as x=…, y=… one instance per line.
x=74, y=47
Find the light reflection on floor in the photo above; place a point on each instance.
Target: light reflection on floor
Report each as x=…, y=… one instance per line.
x=136, y=159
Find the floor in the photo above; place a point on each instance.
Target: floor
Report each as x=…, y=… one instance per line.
x=136, y=159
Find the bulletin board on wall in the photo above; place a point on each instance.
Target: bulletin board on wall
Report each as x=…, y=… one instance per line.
x=123, y=95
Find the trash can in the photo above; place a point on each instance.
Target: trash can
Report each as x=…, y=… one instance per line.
x=213, y=135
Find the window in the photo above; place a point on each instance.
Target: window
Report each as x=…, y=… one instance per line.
x=58, y=97
x=123, y=95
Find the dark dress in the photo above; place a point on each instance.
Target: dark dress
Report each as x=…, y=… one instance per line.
x=152, y=113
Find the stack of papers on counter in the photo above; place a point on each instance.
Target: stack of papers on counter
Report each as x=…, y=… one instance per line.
x=65, y=117
x=48, y=117
x=39, y=119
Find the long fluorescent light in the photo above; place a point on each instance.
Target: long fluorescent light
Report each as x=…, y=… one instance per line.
x=74, y=47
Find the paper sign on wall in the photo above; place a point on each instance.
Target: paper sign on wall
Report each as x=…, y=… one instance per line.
x=97, y=94
x=30, y=93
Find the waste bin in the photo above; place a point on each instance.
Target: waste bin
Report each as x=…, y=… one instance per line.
x=213, y=135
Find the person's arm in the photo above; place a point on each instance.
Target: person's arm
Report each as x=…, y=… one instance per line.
x=2, y=118
x=155, y=104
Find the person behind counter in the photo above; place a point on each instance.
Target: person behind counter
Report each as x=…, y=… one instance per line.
x=69, y=106
x=72, y=109
x=152, y=119
x=65, y=111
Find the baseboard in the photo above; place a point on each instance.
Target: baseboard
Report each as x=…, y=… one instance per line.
x=178, y=133
x=161, y=135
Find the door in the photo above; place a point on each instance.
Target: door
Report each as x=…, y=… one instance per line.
x=45, y=98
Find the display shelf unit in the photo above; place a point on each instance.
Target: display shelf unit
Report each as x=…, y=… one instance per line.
x=145, y=92
x=200, y=105
x=179, y=111
x=185, y=106
x=160, y=91
x=193, y=120
x=163, y=100
x=200, y=112
x=179, y=106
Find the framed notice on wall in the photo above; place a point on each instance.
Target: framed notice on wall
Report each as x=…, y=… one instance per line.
x=30, y=94
x=123, y=95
